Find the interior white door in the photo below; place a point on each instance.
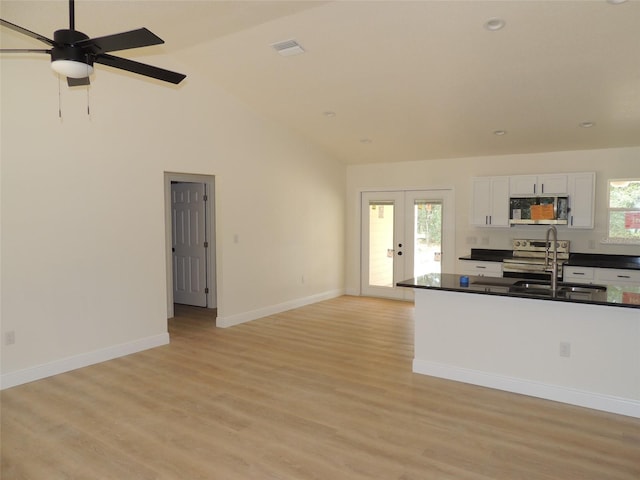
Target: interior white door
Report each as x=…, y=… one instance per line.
x=405, y=234
x=188, y=202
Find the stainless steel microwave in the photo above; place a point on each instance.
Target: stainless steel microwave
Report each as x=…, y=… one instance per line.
x=547, y=210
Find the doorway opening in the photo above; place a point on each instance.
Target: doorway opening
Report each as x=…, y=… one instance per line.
x=190, y=241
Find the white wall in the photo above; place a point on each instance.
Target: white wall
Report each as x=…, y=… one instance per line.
x=83, y=220
x=457, y=174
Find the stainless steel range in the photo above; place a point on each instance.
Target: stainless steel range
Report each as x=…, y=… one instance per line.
x=528, y=259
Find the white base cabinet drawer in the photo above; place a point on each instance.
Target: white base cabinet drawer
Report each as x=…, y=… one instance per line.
x=578, y=274
x=481, y=269
x=604, y=276
x=613, y=276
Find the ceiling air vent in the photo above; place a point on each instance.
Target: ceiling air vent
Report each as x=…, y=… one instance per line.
x=288, y=48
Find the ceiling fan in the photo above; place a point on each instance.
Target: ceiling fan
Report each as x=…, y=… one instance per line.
x=73, y=53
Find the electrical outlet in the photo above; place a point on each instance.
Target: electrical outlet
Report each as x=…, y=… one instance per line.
x=565, y=349
x=10, y=338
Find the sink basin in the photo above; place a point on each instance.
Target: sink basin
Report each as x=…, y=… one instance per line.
x=525, y=286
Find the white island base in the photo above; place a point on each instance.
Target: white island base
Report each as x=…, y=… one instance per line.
x=586, y=355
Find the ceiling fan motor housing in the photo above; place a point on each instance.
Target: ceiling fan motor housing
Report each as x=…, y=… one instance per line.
x=66, y=48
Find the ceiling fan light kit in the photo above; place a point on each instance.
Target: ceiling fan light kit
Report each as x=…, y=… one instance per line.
x=73, y=53
x=72, y=68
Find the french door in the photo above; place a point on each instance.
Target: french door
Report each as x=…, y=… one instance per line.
x=405, y=234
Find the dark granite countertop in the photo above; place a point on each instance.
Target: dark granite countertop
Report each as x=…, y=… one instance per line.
x=615, y=295
x=488, y=255
x=599, y=260
x=631, y=262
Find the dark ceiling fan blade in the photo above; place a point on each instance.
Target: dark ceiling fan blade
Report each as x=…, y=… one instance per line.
x=23, y=50
x=121, y=41
x=29, y=33
x=140, y=68
x=75, y=82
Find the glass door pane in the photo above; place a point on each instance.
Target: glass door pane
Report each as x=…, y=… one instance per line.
x=382, y=259
x=427, y=234
x=381, y=228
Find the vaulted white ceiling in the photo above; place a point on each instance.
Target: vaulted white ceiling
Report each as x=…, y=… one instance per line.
x=405, y=80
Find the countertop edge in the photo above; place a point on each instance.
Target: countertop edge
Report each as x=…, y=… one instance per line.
x=452, y=284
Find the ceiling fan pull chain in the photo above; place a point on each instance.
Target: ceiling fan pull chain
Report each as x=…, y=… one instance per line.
x=88, y=72
x=59, y=100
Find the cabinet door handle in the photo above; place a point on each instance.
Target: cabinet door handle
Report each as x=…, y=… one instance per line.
x=623, y=276
x=542, y=188
x=480, y=266
x=578, y=273
x=534, y=188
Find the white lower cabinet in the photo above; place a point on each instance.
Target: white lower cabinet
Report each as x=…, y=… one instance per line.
x=605, y=276
x=481, y=269
x=614, y=276
x=578, y=274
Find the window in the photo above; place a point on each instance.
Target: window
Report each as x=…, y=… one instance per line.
x=624, y=210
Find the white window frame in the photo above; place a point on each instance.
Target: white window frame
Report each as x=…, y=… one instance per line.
x=619, y=240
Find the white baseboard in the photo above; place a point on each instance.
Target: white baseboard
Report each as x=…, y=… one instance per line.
x=31, y=374
x=231, y=320
x=597, y=401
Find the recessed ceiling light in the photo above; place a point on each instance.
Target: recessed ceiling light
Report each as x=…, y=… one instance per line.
x=499, y=132
x=494, y=24
x=616, y=2
x=329, y=114
x=587, y=124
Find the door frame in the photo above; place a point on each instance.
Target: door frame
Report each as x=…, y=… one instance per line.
x=212, y=283
x=448, y=226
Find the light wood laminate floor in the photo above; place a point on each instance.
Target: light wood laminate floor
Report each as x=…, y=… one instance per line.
x=321, y=392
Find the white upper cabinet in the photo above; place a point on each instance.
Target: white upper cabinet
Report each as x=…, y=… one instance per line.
x=490, y=202
x=490, y=196
x=552, y=184
x=581, y=199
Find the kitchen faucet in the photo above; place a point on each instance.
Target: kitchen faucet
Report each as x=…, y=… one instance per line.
x=551, y=231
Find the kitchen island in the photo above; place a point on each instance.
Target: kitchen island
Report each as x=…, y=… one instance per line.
x=581, y=348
